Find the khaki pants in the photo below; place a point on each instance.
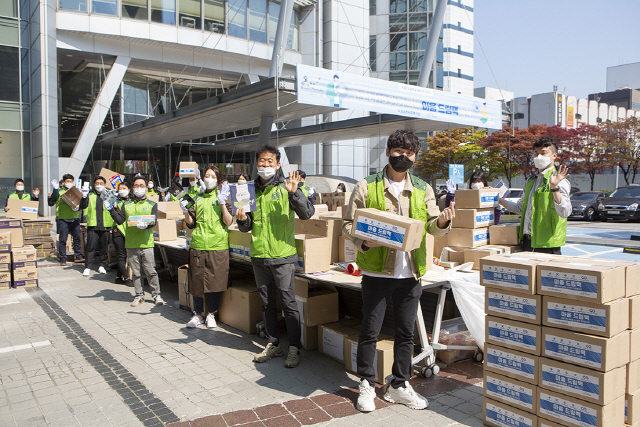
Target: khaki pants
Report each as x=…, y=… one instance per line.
x=141, y=259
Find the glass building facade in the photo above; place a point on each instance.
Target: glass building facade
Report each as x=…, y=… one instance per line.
x=15, y=146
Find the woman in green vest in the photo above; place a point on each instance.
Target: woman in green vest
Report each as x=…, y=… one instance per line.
x=118, y=236
x=99, y=224
x=19, y=194
x=209, y=218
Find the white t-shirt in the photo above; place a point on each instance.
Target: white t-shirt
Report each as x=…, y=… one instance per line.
x=403, y=261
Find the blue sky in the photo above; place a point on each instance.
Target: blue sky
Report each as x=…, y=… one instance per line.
x=533, y=45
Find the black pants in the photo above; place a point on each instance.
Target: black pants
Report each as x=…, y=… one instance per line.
x=272, y=280
x=97, y=241
x=214, y=302
x=118, y=242
x=526, y=247
x=66, y=227
x=405, y=295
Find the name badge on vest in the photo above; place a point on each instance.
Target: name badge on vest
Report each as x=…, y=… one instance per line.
x=145, y=209
x=275, y=195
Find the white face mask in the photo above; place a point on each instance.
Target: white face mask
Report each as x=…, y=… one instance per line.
x=193, y=183
x=99, y=188
x=68, y=185
x=139, y=192
x=477, y=186
x=242, y=181
x=338, y=190
x=541, y=162
x=123, y=193
x=150, y=185
x=266, y=173
x=20, y=188
x=210, y=183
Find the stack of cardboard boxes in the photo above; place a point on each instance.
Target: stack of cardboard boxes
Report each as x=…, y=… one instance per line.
x=37, y=233
x=335, y=200
x=558, y=347
x=18, y=265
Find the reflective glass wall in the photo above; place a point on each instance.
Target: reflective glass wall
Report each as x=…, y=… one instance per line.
x=255, y=20
x=15, y=145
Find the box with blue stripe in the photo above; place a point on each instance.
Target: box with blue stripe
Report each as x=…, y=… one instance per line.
x=393, y=231
x=513, y=305
x=518, y=394
x=498, y=414
x=511, y=272
x=511, y=363
x=574, y=412
x=514, y=335
x=605, y=320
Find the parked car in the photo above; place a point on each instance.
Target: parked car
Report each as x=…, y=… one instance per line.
x=624, y=203
x=585, y=204
x=514, y=195
x=574, y=190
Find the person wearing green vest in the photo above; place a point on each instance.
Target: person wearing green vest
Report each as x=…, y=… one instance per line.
x=209, y=218
x=99, y=225
x=546, y=204
x=389, y=274
x=273, y=250
x=196, y=186
x=19, y=194
x=309, y=192
x=139, y=241
x=118, y=235
x=67, y=220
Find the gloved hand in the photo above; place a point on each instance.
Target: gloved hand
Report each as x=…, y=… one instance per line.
x=141, y=226
x=183, y=206
x=167, y=197
x=312, y=191
x=107, y=205
x=451, y=186
x=85, y=193
x=197, y=173
x=202, y=186
x=55, y=184
x=224, y=193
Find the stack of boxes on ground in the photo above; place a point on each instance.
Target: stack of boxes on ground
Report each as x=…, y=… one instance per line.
x=37, y=233
x=562, y=341
x=18, y=265
x=473, y=235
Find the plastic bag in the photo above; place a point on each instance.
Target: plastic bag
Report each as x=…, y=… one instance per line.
x=469, y=296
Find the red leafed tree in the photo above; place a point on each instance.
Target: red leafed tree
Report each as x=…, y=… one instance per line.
x=588, y=151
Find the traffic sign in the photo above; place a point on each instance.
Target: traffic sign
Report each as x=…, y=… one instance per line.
x=456, y=173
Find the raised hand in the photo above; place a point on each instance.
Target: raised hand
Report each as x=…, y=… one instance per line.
x=451, y=186
x=55, y=184
x=447, y=215
x=240, y=215
x=561, y=173
x=36, y=192
x=292, y=183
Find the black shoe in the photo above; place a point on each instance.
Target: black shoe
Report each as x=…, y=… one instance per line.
x=119, y=281
x=128, y=282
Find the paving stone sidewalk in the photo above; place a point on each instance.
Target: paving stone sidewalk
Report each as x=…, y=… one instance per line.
x=74, y=353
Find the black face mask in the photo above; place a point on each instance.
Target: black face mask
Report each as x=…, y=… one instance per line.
x=400, y=163
x=300, y=184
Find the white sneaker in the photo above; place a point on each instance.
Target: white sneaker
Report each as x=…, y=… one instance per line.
x=158, y=300
x=366, y=397
x=211, y=321
x=101, y=270
x=405, y=396
x=86, y=272
x=137, y=301
x=195, y=321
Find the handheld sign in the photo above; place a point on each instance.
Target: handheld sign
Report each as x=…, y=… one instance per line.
x=243, y=196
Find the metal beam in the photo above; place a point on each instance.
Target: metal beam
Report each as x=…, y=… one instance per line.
x=432, y=43
x=282, y=33
x=98, y=112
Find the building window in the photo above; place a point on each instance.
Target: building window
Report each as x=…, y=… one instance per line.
x=75, y=5
x=108, y=7
x=398, y=6
x=258, y=20
x=293, y=42
x=372, y=7
x=214, y=16
x=274, y=14
x=190, y=14
x=135, y=9
x=459, y=50
x=9, y=32
x=9, y=8
x=10, y=72
x=238, y=18
x=459, y=72
x=372, y=53
x=163, y=11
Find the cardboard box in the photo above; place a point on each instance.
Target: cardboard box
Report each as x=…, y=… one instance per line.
x=25, y=265
x=25, y=253
x=331, y=339
x=320, y=306
x=5, y=240
x=170, y=210
x=154, y=197
x=474, y=255
x=72, y=197
x=325, y=227
x=5, y=267
x=632, y=273
x=513, y=305
x=634, y=312
x=309, y=337
x=25, y=275
x=188, y=169
x=184, y=297
x=165, y=230
x=314, y=253
x=504, y=234
x=335, y=200
x=239, y=245
x=113, y=178
x=509, y=272
x=572, y=412
x=634, y=336
x=582, y=383
x=240, y=307
x=605, y=320
x=546, y=423
x=512, y=363
x=633, y=376
x=632, y=408
x=319, y=211
x=453, y=254
x=473, y=218
x=22, y=209
x=598, y=353
x=497, y=414
x=477, y=199
x=347, y=250
x=5, y=257
x=514, y=335
x=581, y=281
x=5, y=280
x=25, y=283
x=469, y=237
x=383, y=359
x=518, y=394
x=439, y=243
x=390, y=230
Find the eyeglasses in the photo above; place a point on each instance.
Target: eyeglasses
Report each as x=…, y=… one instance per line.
x=139, y=186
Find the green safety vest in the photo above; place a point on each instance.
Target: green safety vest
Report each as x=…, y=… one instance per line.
x=25, y=196
x=305, y=190
x=137, y=238
x=193, y=192
x=273, y=231
x=91, y=211
x=63, y=210
x=152, y=191
x=122, y=228
x=211, y=233
x=548, y=230
x=374, y=259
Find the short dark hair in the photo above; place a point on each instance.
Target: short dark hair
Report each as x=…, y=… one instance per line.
x=302, y=174
x=139, y=177
x=545, y=141
x=67, y=176
x=99, y=177
x=404, y=139
x=341, y=185
x=268, y=149
x=125, y=183
x=245, y=176
x=478, y=175
x=17, y=181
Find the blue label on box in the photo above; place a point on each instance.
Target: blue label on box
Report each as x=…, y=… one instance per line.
x=511, y=392
x=516, y=306
x=515, y=336
x=489, y=198
x=573, y=351
x=481, y=236
x=514, y=278
x=569, y=283
x=381, y=233
x=568, y=317
x=24, y=264
x=484, y=218
x=568, y=411
x=571, y=381
x=526, y=367
x=506, y=418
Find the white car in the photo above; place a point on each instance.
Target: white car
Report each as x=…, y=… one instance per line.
x=514, y=195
